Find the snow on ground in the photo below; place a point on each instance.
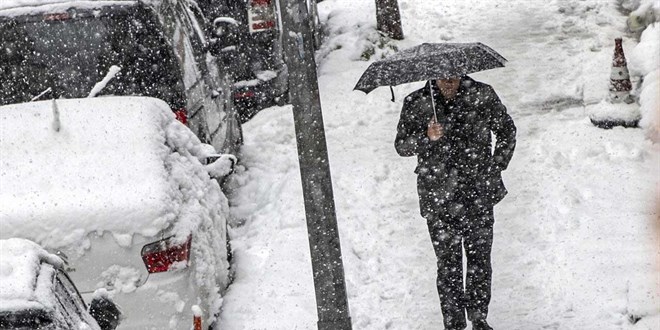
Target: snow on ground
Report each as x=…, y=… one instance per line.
x=576, y=240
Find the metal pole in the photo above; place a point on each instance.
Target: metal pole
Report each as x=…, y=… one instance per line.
x=435, y=115
x=327, y=266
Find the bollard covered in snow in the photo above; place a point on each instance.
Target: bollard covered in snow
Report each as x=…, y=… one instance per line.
x=197, y=317
x=619, y=110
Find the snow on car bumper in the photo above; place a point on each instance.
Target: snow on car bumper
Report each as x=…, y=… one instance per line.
x=164, y=301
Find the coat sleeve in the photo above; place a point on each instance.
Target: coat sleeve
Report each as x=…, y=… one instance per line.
x=411, y=136
x=501, y=124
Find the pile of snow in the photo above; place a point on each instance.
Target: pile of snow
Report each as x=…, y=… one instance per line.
x=614, y=113
x=21, y=287
x=645, y=62
x=644, y=13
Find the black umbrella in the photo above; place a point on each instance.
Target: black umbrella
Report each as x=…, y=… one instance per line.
x=429, y=61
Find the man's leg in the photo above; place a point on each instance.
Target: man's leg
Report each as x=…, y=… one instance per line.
x=478, y=240
x=448, y=250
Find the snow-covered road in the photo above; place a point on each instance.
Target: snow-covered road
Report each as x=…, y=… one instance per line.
x=575, y=246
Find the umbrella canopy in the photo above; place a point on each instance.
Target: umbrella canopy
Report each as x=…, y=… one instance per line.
x=429, y=61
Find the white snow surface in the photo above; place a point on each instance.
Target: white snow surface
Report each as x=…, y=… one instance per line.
x=20, y=267
x=108, y=169
x=606, y=111
x=646, y=62
x=13, y=8
x=576, y=240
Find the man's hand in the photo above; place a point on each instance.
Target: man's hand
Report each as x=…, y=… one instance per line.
x=434, y=131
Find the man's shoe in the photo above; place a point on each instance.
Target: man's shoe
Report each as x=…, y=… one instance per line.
x=481, y=324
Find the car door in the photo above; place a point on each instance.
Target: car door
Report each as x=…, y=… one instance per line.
x=179, y=35
x=224, y=128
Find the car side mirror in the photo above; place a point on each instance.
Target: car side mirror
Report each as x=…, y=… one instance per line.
x=104, y=310
x=224, y=42
x=219, y=166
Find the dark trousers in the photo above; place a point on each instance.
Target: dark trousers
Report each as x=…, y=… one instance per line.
x=473, y=231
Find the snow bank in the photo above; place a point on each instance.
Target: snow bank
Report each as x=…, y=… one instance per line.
x=645, y=61
x=615, y=113
x=20, y=267
x=644, y=13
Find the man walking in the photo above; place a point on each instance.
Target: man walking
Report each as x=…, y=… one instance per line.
x=448, y=125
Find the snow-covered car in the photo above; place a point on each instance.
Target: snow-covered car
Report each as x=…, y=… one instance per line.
x=118, y=185
x=62, y=48
x=37, y=293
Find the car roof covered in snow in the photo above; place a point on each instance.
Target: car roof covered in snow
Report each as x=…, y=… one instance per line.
x=122, y=165
x=24, y=282
x=30, y=7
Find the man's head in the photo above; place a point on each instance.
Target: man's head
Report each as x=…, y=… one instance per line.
x=448, y=86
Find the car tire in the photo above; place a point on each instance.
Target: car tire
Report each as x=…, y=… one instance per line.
x=282, y=100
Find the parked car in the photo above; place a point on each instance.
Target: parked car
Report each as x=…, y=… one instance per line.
x=260, y=72
x=62, y=49
x=118, y=185
x=37, y=293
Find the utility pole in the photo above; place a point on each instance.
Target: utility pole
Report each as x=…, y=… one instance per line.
x=388, y=18
x=327, y=266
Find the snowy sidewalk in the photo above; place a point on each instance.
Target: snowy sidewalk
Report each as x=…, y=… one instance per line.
x=574, y=243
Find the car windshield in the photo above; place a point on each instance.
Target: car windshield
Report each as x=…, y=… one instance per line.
x=25, y=319
x=70, y=55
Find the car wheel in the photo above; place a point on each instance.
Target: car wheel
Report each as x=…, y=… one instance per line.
x=230, y=258
x=282, y=100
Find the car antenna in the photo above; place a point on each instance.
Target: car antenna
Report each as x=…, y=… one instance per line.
x=57, y=125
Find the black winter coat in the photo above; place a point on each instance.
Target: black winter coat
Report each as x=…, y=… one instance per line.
x=458, y=171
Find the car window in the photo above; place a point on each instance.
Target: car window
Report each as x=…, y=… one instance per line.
x=26, y=319
x=71, y=55
x=189, y=65
x=199, y=22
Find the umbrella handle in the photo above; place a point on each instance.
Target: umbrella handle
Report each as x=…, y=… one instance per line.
x=435, y=114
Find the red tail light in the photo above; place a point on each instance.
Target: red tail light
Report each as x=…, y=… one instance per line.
x=243, y=95
x=261, y=15
x=57, y=17
x=182, y=115
x=263, y=25
x=160, y=256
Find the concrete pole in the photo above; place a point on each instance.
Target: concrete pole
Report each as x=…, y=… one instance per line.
x=388, y=18
x=327, y=266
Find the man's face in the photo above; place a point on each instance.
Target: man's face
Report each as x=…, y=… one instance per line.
x=448, y=85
